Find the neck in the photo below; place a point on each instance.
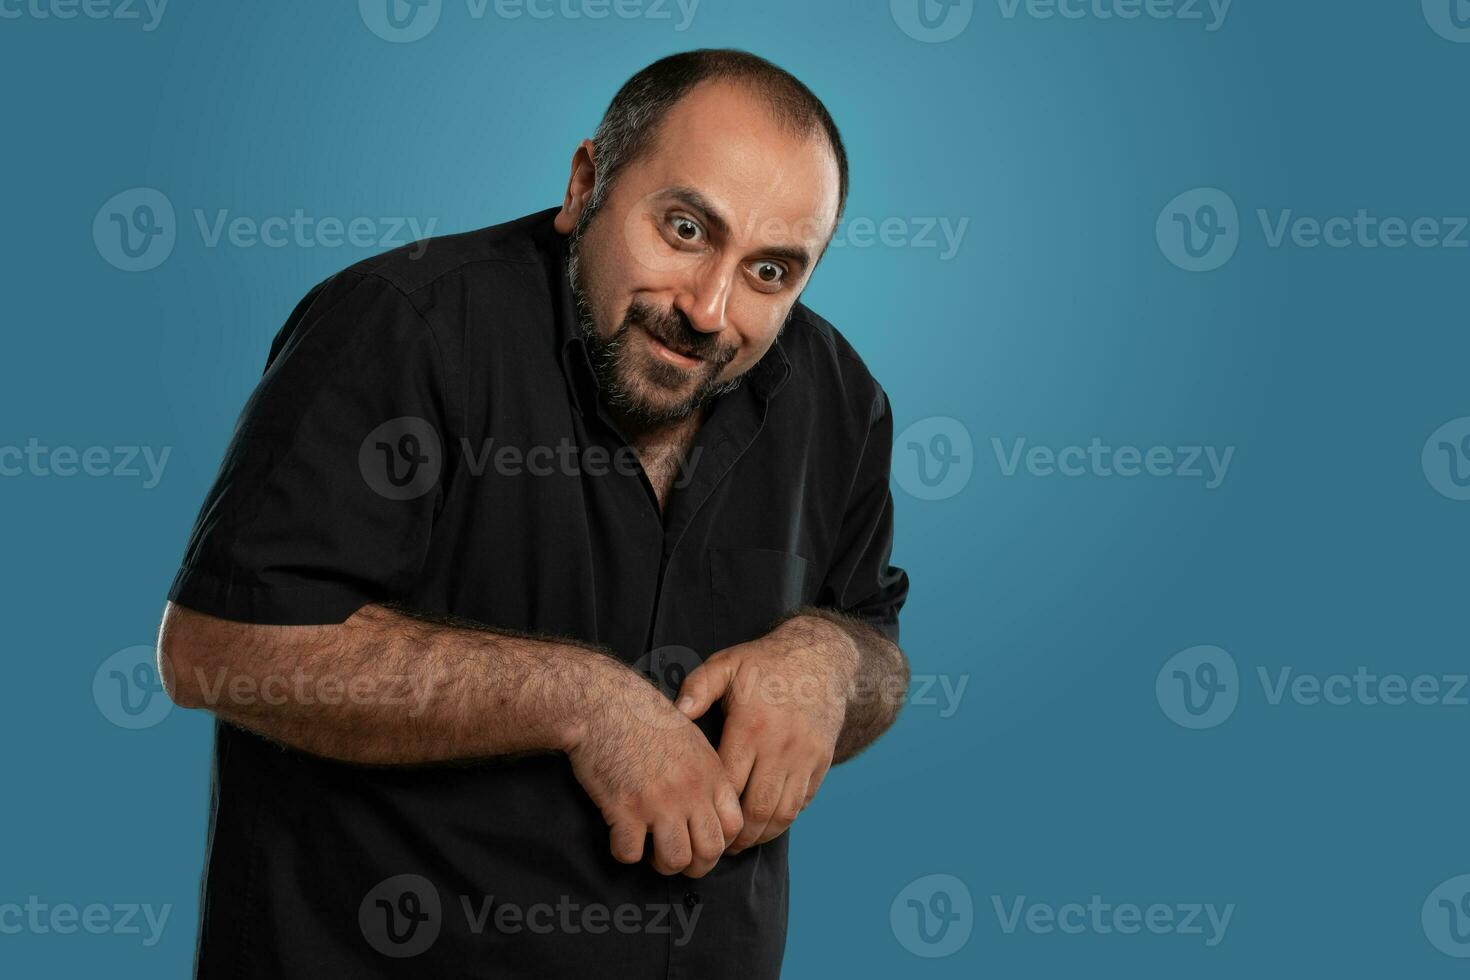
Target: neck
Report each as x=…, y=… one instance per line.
x=662, y=449
x=639, y=431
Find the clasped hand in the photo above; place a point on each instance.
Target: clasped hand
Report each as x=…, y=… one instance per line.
x=652, y=772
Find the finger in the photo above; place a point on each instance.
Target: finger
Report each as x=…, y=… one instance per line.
x=813, y=784
x=671, y=849
x=792, y=800
x=732, y=820
x=705, y=685
x=761, y=798
x=626, y=840
x=738, y=754
x=707, y=839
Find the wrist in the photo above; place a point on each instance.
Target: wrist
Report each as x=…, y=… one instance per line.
x=588, y=678
x=813, y=630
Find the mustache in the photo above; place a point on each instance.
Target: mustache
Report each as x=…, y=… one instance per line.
x=672, y=329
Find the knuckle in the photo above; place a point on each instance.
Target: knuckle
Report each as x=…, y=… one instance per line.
x=626, y=845
x=677, y=857
x=711, y=830
x=763, y=803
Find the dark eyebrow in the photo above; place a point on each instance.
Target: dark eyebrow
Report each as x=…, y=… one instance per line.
x=697, y=202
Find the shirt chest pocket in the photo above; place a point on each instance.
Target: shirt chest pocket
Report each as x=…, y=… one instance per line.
x=753, y=588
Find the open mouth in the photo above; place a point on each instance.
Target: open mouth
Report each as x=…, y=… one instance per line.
x=670, y=355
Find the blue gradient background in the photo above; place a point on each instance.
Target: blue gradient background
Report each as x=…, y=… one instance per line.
x=1056, y=599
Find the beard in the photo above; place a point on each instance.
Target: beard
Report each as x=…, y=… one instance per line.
x=634, y=383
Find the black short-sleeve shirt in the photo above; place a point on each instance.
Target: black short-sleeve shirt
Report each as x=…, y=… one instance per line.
x=429, y=431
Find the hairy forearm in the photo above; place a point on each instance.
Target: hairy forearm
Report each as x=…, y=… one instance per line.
x=873, y=672
x=386, y=686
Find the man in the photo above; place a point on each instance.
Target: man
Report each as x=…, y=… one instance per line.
x=487, y=488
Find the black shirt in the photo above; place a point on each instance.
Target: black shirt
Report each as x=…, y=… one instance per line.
x=428, y=431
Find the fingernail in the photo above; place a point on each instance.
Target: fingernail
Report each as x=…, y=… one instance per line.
x=686, y=704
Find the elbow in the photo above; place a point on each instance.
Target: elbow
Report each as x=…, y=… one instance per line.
x=177, y=658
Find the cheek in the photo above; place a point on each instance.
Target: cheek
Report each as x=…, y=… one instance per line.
x=755, y=338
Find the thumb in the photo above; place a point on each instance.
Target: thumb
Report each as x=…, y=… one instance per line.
x=705, y=685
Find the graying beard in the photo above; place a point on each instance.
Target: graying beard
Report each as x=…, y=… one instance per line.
x=605, y=352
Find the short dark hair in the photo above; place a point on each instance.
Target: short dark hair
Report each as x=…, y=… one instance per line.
x=629, y=127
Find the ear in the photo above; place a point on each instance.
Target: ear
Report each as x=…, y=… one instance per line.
x=579, y=187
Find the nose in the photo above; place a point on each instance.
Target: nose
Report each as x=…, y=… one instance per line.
x=705, y=297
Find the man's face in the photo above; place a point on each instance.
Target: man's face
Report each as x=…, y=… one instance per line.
x=687, y=271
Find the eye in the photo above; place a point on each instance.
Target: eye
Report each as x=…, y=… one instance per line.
x=685, y=229
x=768, y=273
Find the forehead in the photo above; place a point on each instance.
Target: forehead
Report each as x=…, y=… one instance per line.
x=722, y=141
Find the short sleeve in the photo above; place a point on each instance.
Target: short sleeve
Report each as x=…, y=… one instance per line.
x=860, y=581
x=326, y=497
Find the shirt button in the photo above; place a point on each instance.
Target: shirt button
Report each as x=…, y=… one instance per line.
x=691, y=899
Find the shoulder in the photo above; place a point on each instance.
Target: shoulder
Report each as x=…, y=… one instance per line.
x=418, y=294
x=826, y=366
x=513, y=247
